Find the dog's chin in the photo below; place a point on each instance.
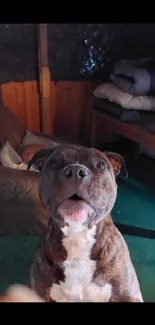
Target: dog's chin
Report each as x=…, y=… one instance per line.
x=75, y=214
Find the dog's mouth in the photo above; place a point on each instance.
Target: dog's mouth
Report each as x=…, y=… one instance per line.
x=75, y=197
x=75, y=210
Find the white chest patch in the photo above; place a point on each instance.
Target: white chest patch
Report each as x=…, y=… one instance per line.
x=79, y=270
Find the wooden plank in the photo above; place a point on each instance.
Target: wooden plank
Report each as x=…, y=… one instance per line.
x=13, y=99
x=45, y=84
x=22, y=99
x=32, y=106
x=72, y=101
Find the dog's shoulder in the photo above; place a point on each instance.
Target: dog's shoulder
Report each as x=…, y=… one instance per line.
x=110, y=250
x=113, y=263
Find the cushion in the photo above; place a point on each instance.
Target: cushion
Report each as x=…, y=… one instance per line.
x=30, y=138
x=10, y=158
x=11, y=129
x=27, y=152
x=114, y=94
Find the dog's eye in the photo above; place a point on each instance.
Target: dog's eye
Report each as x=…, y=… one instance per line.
x=101, y=165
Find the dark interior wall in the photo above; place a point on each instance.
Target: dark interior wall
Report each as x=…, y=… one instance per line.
x=18, y=52
x=76, y=51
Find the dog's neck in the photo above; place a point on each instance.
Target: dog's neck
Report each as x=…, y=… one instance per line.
x=53, y=240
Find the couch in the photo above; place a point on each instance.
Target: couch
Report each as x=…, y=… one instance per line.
x=21, y=211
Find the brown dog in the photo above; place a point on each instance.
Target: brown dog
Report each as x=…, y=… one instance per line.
x=82, y=257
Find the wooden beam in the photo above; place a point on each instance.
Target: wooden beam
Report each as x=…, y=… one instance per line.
x=45, y=82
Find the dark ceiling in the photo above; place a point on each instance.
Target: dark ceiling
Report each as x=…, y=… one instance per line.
x=76, y=51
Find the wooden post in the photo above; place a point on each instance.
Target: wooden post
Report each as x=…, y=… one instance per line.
x=45, y=82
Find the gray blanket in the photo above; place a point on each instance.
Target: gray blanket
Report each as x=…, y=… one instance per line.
x=135, y=77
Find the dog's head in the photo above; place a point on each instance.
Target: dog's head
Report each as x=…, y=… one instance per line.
x=77, y=184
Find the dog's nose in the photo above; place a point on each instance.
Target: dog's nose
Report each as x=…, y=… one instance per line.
x=82, y=172
x=75, y=171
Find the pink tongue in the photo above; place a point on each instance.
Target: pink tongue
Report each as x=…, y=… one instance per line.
x=78, y=216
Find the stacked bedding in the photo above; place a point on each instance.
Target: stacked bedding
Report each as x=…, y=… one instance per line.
x=130, y=91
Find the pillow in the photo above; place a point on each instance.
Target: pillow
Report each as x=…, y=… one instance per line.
x=135, y=78
x=27, y=152
x=10, y=158
x=131, y=78
x=114, y=94
x=31, y=138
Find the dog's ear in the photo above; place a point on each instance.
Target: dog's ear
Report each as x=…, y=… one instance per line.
x=40, y=158
x=117, y=162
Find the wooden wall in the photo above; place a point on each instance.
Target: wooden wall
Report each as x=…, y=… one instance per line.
x=23, y=100
x=70, y=105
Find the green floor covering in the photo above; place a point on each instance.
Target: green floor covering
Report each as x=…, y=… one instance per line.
x=135, y=206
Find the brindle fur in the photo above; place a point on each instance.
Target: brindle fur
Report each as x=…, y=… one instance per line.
x=113, y=263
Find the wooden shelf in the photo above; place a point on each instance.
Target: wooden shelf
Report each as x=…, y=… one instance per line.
x=137, y=132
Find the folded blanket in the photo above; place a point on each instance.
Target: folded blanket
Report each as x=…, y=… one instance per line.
x=135, y=78
x=117, y=111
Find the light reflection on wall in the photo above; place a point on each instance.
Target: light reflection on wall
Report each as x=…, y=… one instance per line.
x=95, y=56
x=100, y=47
x=90, y=64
